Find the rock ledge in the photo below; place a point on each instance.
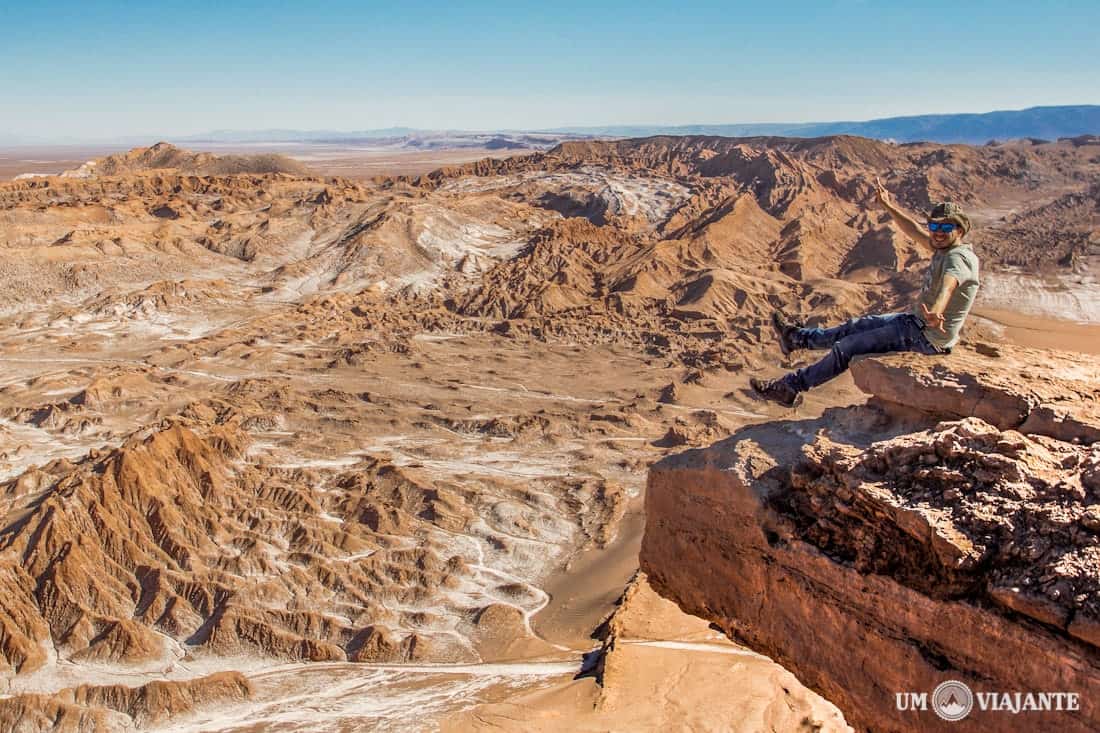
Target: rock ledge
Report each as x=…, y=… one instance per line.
x=879, y=550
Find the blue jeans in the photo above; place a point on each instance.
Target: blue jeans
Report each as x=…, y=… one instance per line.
x=866, y=335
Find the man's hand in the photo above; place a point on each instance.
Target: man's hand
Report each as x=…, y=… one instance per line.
x=883, y=195
x=932, y=319
x=909, y=227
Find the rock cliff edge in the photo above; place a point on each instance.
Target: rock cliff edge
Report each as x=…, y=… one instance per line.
x=949, y=529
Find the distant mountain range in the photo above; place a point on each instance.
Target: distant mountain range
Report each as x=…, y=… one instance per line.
x=1049, y=123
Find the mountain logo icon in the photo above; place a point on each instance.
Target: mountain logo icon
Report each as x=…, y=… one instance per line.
x=952, y=700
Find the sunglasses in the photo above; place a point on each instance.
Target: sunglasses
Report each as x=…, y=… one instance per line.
x=941, y=226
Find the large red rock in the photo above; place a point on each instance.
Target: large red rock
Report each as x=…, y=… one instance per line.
x=874, y=555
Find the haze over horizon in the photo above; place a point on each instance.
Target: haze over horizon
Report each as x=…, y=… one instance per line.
x=92, y=71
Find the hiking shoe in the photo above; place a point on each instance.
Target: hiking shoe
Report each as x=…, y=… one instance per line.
x=784, y=332
x=777, y=391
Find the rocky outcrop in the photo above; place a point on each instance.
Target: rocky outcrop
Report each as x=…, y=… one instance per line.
x=175, y=535
x=165, y=156
x=96, y=708
x=877, y=551
x=1012, y=389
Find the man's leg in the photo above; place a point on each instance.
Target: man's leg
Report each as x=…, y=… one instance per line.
x=901, y=332
x=898, y=333
x=824, y=338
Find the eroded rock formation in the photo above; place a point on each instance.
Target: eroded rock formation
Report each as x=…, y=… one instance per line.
x=111, y=708
x=949, y=529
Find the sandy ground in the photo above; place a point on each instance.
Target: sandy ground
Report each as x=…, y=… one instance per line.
x=1026, y=329
x=665, y=671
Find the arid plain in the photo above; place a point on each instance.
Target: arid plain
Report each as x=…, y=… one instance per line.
x=298, y=444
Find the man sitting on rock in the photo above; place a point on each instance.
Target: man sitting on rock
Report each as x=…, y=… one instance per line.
x=932, y=327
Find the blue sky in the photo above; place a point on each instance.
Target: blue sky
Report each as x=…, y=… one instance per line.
x=89, y=69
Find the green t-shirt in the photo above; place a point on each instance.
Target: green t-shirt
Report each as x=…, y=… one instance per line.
x=961, y=263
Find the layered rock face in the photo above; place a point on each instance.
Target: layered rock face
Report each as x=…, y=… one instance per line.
x=947, y=530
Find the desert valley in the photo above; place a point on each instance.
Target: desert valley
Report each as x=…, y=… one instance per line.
x=375, y=445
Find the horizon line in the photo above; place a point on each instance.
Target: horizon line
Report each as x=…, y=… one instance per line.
x=18, y=140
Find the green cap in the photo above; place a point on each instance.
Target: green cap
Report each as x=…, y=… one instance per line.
x=950, y=211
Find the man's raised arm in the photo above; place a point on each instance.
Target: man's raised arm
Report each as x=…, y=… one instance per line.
x=909, y=226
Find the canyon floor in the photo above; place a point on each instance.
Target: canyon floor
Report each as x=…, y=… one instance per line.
x=290, y=451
